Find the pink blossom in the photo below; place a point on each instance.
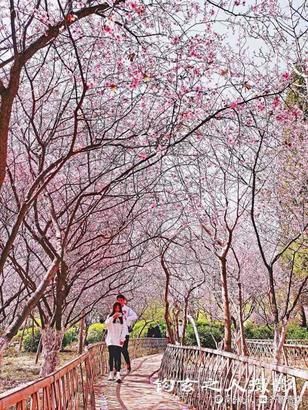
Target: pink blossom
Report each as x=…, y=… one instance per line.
x=107, y=29
x=139, y=9
x=260, y=106
x=188, y=115
x=135, y=82
x=142, y=155
x=234, y=105
x=111, y=85
x=276, y=102
x=70, y=18
x=230, y=140
x=175, y=40
x=286, y=76
x=90, y=84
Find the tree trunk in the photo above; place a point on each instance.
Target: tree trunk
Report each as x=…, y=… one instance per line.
x=22, y=336
x=169, y=323
x=4, y=342
x=176, y=313
x=86, y=334
x=280, y=332
x=38, y=351
x=51, y=346
x=243, y=345
x=226, y=304
x=185, y=319
x=52, y=335
x=81, y=335
x=303, y=318
x=167, y=304
x=7, y=99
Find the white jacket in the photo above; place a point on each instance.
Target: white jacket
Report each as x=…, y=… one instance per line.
x=116, y=332
x=129, y=315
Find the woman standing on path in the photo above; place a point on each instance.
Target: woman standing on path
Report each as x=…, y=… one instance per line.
x=116, y=332
x=130, y=316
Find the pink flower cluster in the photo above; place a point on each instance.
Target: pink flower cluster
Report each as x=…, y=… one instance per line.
x=138, y=8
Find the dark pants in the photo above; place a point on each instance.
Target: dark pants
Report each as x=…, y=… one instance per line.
x=114, y=358
x=125, y=351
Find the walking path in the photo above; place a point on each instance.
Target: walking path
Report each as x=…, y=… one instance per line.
x=137, y=391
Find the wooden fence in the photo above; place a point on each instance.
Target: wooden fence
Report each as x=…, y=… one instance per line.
x=294, y=354
x=72, y=386
x=288, y=341
x=212, y=379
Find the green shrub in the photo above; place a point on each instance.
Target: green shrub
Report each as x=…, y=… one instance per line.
x=253, y=331
x=139, y=327
x=163, y=327
x=294, y=331
x=297, y=332
x=207, y=333
x=31, y=339
x=70, y=336
x=95, y=333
